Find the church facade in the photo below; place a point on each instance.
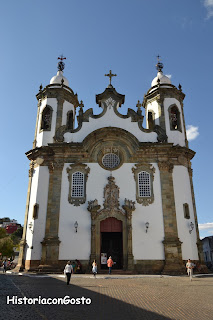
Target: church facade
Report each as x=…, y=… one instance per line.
x=109, y=186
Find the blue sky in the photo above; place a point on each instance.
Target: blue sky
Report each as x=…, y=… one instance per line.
x=96, y=36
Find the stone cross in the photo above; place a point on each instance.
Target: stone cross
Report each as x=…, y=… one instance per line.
x=110, y=75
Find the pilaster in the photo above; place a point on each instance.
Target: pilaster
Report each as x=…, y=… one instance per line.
x=172, y=244
x=50, y=243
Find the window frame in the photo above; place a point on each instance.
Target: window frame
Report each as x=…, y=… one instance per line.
x=71, y=170
x=149, y=169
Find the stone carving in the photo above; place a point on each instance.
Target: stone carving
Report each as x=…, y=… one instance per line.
x=111, y=195
x=31, y=170
x=162, y=137
x=110, y=102
x=165, y=166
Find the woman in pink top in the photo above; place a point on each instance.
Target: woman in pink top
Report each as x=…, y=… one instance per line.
x=110, y=264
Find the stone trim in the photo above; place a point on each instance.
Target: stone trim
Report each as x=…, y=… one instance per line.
x=77, y=201
x=145, y=201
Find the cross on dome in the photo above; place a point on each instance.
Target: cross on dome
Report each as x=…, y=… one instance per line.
x=159, y=65
x=61, y=64
x=110, y=75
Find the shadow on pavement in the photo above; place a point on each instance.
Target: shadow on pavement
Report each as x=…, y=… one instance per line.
x=102, y=306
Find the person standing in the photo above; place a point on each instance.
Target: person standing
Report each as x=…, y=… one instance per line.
x=5, y=266
x=94, y=268
x=110, y=264
x=189, y=267
x=68, y=270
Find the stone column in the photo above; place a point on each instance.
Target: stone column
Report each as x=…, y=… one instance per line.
x=20, y=265
x=50, y=243
x=129, y=207
x=60, y=102
x=93, y=208
x=172, y=244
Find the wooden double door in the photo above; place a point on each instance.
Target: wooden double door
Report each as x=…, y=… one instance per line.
x=112, y=241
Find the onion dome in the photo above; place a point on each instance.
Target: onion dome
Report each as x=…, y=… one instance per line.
x=58, y=78
x=161, y=78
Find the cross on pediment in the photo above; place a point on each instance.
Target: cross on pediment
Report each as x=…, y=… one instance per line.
x=110, y=75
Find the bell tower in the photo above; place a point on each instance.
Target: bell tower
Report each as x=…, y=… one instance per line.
x=163, y=105
x=57, y=105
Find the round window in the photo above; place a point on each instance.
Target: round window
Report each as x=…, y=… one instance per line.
x=110, y=161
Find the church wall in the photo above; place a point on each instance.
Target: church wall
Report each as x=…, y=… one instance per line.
x=174, y=136
x=39, y=195
x=78, y=245
x=149, y=246
x=182, y=191
x=111, y=118
x=45, y=137
x=33, y=195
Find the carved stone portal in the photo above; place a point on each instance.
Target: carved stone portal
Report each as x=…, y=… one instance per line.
x=111, y=209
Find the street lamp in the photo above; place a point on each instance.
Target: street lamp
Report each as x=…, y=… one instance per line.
x=191, y=227
x=76, y=226
x=147, y=226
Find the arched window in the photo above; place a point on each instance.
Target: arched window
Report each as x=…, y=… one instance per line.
x=174, y=117
x=186, y=211
x=151, y=121
x=77, y=185
x=46, y=118
x=70, y=120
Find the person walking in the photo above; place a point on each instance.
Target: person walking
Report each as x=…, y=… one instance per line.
x=189, y=267
x=68, y=270
x=94, y=268
x=4, y=266
x=110, y=264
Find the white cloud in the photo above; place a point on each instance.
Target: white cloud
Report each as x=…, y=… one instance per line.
x=192, y=132
x=206, y=229
x=208, y=4
x=205, y=226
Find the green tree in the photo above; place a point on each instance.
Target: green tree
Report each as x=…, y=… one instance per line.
x=3, y=233
x=16, y=236
x=6, y=247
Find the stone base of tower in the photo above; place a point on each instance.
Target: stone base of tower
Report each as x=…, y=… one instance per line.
x=172, y=268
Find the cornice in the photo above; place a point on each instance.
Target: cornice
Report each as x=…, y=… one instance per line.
x=59, y=91
x=161, y=92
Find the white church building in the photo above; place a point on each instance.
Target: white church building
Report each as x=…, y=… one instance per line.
x=113, y=184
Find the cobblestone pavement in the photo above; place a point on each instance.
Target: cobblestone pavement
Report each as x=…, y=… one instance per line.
x=112, y=298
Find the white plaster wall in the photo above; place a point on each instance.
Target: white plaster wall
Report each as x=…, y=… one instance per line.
x=67, y=107
x=149, y=246
x=153, y=106
x=174, y=136
x=45, y=137
x=182, y=191
x=110, y=119
x=78, y=245
x=39, y=195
